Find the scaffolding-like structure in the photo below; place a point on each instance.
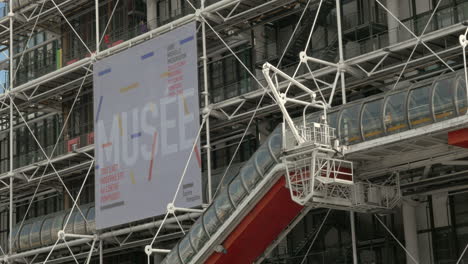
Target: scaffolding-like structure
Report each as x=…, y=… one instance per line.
x=410, y=55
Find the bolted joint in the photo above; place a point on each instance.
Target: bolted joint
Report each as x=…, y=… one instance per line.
x=148, y=250
x=206, y=111
x=198, y=13
x=463, y=41
x=220, y=249
x=61, y=234
x=11, y=14
x=207, y=146
x=302, y=56
x=313, y=96
x=170, y=208
x=341, y=66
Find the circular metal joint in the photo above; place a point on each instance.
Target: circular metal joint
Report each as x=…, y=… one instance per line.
x=206, y=111
x=463, y=41
x=61, y=234
x=148, y=250
x=170, y=208
x=302, y=56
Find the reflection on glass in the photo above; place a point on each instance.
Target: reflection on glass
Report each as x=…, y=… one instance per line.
x=349, y=125
x=419, y=111
x=372, y=126
x=24, y=236
x=443, y=100
x=394, y=113
x=461, y=95
x=198, y=235
x=211, y=220
x=332, y=119
x=45, y=233
x=186, y=251
x=35, y=236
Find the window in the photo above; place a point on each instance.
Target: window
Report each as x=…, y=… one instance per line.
x=419, y=111
x=349, y=125
x=372, y=119
x=461, y=94
x=163, y=11
x=332, y=119
x=443, y=100
x=395, y=114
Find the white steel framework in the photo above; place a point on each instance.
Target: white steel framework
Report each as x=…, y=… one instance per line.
x=215, y=18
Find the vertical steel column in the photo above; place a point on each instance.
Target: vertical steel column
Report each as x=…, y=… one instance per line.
x=206, y=109
x=97, y=27
x=10, y=54
x=340, y=47
x=101, y=257
x=353, y=237
x=410, y=232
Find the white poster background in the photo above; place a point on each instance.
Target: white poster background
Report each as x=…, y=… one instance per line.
x=146, y=119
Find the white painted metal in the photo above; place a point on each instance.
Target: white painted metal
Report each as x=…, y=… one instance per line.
x=301, y=134
x=411, y=232
x=250, y=201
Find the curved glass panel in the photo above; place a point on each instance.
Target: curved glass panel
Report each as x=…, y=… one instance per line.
x=198, y=235
x=24, y=237
x=211, y=220
x=91, y=217
x=419, y=111
x=461, y=95
x=14, y=234
x=237, y=191
x=372, y=125
x=223, y=206
x=173, y=257
x=69, y=227
x=46, y=238
x=79, y=224
x=332, y=119
x=250, y=175
x=442, y=102
x=36, y=233
x=185, y=250
x=395, y=113
x=313, y=117
x=349, y=125
x=263, y=160
x=57, y=226
x=275, y=141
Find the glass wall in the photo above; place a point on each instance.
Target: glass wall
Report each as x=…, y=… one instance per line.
x=371, y=122
x=395, y=112
x=443, y=100
x=460, y=86
x=419, y=109
x=349, y=125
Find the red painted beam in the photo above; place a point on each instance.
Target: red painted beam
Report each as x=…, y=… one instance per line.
x=458, y=138
x=259, y=228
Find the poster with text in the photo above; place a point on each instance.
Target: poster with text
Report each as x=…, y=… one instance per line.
x=146, y=121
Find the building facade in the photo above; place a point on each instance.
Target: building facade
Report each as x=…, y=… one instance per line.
x=405, y=93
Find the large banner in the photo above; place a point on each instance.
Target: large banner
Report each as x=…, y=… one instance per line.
x=146, y=120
